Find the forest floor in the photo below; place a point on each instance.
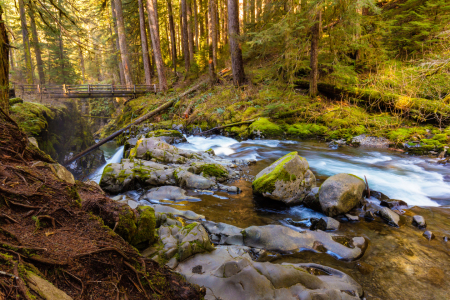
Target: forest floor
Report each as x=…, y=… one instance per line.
x=47, y=235
x=381, y=105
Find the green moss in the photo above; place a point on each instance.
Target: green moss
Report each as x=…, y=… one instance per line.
x=306, y=130
x=355, y=177
x=212, y=170
x=163, y=132
x=73, y=193
x=188, y=228
x=266, y=183
x=267, y=128
x=126, y=227
x=145, y=226
x=31, y=117
x=13, y=101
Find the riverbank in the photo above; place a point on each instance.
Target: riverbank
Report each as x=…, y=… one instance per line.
x=397, y=262
x=46, y=254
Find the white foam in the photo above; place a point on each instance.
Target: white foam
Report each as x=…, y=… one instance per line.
x=220, y=144
x=116, y=158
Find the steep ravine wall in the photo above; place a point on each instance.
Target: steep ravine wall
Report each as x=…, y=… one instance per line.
x=60, y=131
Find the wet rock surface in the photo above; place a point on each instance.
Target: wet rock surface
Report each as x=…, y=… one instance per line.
x=340, y=193
x=289, y=180
x=419, y=221
x=389, y=216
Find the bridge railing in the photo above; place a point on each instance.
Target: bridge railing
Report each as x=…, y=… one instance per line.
x=86, y=89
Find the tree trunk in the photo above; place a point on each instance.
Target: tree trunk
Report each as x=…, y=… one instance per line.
x=252, y=11
x=123, y=43
x=83, y=70
x=117, y=50
x=258, y=10
x=196, y=25
x=211, y=66
x=303, y=5
x=244, y=15
x=172, y=36
x=152, y=18
x=190, y=31
x=145, y=56
x=184, y=36
x=206, y=6
x=37, y=48
x=314, y=63
x=237, y=64
x=4, y=66
x=61, y=53
x=26, y=43
x=213, y=29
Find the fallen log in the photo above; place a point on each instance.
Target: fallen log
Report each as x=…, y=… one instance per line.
x=422, y=110
x=225, y=126
x=163, y=107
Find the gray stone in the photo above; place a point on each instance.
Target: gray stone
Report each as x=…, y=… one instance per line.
x=389, y=216
x=371, y=141
x=192, y=181
x=282, y=239
x=156, y=148
x=228, y=273
x=369, y=216
x=33, y=141
x=226, y=234
x=340, y=193
x=393, y=203
x=429, y=235
x=164, y=209
x=419, y=221
x=312, y=199
x=352, y=218
x=289, y=180
x=172, y=193
x=332, y=224
x=62, y=173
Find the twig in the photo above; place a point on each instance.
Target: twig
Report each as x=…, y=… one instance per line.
x=8, y=218
x=367, y=187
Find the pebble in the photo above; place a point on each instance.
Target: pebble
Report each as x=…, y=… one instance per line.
x=352, y=218
x=429, y=235
x=445, y=239
x=419, y=221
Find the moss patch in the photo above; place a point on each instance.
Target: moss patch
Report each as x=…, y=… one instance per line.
x=266, y=127
x=266, y=183
x=213, y=170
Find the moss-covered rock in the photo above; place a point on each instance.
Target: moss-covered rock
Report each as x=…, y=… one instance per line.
x=210, y=170
x=13, y=101
x=266, y=128
x=288, y=179
x=306, y=130
x=145, y=226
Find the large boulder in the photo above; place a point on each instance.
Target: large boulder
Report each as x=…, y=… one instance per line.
x=340, y=193
x=285, y=240
x=228, y=273
x=289, y=180
x=158, y=150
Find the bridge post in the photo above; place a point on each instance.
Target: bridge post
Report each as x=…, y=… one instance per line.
x=154, y=86
x=112, y=89
x=89, y=89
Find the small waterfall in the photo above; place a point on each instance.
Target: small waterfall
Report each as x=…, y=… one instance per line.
x=116, y=158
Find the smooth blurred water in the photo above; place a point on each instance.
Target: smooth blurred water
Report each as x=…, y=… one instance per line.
x=416, y=180
x=113, y=154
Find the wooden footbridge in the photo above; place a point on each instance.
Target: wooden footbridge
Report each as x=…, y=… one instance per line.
x=83, y=90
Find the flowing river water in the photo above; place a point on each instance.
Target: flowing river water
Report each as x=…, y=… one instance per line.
x=398, y=264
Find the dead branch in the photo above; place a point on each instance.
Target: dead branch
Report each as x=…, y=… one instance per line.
x=225, y=126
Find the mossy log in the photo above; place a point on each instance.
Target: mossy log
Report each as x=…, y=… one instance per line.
x=225, y=126
x=422, y=110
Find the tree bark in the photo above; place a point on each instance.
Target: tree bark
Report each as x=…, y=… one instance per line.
x=144, y=43
x=196, y=25
x=213, y=29
x=237, y=64
x=184, y=36
x=314, y=62
x=26, y=43
x=172, y=36
x=4, y=66
x=211, y=66
x=252, y=11
x=83, y=70
x=36, y=46
x=190, y=31
x=244, y=15
x=117, y=50
x=61, y=53
x=123, y=43
x=152, y=18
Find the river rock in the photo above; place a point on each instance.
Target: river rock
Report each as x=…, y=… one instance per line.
x=192, y=181
x=340, y=193
x=172, y=193
x=371, y=141
x=289, y=180
x=228, y=273
x=369, y=216
x=225, y=234
x=419, y=221
x=164, y=209
x=119, y=177
x=352, y=218
x=393, y=203
x=389, y=216
x=312, y=199
x=325, y=223
x=282, y=239
x=378, y=195
x=429, y=235
x=155, y=148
